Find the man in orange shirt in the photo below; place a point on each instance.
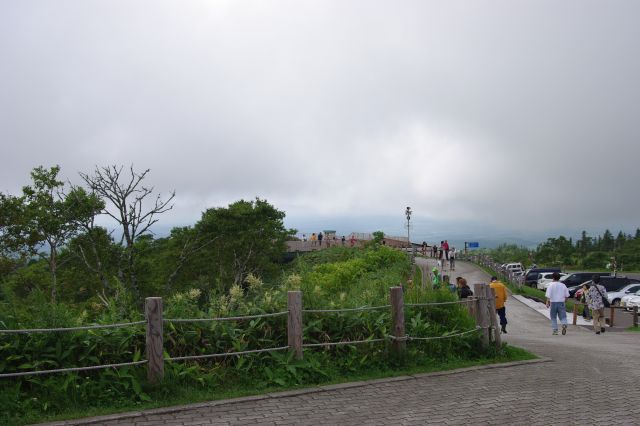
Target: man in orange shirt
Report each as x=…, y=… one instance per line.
x=501, y=298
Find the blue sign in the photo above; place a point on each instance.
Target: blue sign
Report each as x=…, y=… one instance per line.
x=474, y=245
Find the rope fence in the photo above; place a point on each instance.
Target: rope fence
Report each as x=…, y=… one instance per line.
x=479, y=307
x=319, y=311
x=73, y=369
x=247, y=317
x=448, y=336
x=225, y=354
x=350, y=342
x=457, y=302
x=85, y=327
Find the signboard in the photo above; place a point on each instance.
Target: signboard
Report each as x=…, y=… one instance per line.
x=474, y=244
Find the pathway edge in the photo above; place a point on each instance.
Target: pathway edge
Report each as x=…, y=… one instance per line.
x=289, y=393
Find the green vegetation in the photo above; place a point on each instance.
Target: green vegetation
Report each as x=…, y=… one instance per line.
x=58, y=269
x=338, y=277
x=587, y=253
x=632, y=328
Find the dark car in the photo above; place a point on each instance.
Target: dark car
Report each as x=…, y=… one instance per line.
x=578, y=278
x=531, y=277
x=609, y=283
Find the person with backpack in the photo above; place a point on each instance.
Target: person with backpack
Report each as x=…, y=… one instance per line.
x=597, y=296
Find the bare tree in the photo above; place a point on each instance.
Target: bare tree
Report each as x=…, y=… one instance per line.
x=129, y=207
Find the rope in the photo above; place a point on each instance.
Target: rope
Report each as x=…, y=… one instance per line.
x=86, y=327
x=409, y=338
x=255, y=351
x=354, y=342
x=275, y=314
x=67, y=370
x=436, y=303
x=317, y=311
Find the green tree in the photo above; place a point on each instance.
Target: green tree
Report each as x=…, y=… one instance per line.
x=247, y=237
x=43, y=217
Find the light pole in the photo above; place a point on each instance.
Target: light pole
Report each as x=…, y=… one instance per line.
x=408, y=214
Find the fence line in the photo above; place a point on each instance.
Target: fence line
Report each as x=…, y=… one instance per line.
x=457, y=302
x=274, y=314
x=253, y=351
x=371, y=308
x=350, y=342
x=448, y=336
x=155, y=340
x=84, y=327
x=73, y=369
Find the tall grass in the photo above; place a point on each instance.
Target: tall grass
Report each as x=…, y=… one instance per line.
x=334, y=278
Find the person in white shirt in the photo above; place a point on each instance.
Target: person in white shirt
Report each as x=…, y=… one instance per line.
x=556, y=295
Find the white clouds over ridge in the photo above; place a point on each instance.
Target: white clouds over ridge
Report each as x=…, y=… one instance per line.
x=459, y=109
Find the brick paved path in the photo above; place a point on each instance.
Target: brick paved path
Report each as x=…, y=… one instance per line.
x=589, y=380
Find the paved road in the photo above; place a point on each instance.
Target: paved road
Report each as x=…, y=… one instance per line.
x=589, y=380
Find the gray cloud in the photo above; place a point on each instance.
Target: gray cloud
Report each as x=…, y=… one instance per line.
x=514, y=115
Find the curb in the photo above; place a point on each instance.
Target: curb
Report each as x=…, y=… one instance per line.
x=290, y=393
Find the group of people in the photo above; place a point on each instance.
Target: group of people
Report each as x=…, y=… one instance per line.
x=317, y=239
x=444, y=281
x=463, y=290
x=593, y=296
x=442, y=252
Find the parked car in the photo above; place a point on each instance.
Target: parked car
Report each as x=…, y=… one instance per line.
x=513, y=267
x=577, y=278
x=633, y=301
x=544, y=278
x=615, y=296
x=611, y=284
x=531, y=276
x=625, y=300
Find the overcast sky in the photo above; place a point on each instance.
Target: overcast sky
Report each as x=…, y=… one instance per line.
x=517, y=116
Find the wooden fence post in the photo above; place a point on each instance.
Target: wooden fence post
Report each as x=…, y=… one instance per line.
x=635, y=316
x=611, y=316
x=294, y=322
x=480, y=290
x=154, y=339
x=493, y=318
x=397, y=316
x=575, y=313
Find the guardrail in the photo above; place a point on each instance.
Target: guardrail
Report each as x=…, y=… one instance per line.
x=612, y=311
x=481, y=307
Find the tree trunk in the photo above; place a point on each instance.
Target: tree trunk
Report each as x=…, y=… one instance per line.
x=53, y=267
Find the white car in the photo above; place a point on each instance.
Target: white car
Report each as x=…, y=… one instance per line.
x=615, y=297
x=545, y=278
x=626, y=299
x=634, y=301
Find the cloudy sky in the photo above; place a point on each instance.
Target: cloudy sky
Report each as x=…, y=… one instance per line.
x=513, y=118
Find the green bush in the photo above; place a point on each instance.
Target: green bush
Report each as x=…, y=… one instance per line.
x=333, y=278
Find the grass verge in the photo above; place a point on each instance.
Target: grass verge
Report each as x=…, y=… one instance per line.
x=632, y=328
x=181, y=395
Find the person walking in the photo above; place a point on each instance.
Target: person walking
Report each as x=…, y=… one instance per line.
x=452, y=259
x=320, y=236
x=313, y=238
x=501, y=298
x=463, y=289
x=557, y=295
x=435, y=250
x=584, y=298
x=597, y=295
x=445, y=247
